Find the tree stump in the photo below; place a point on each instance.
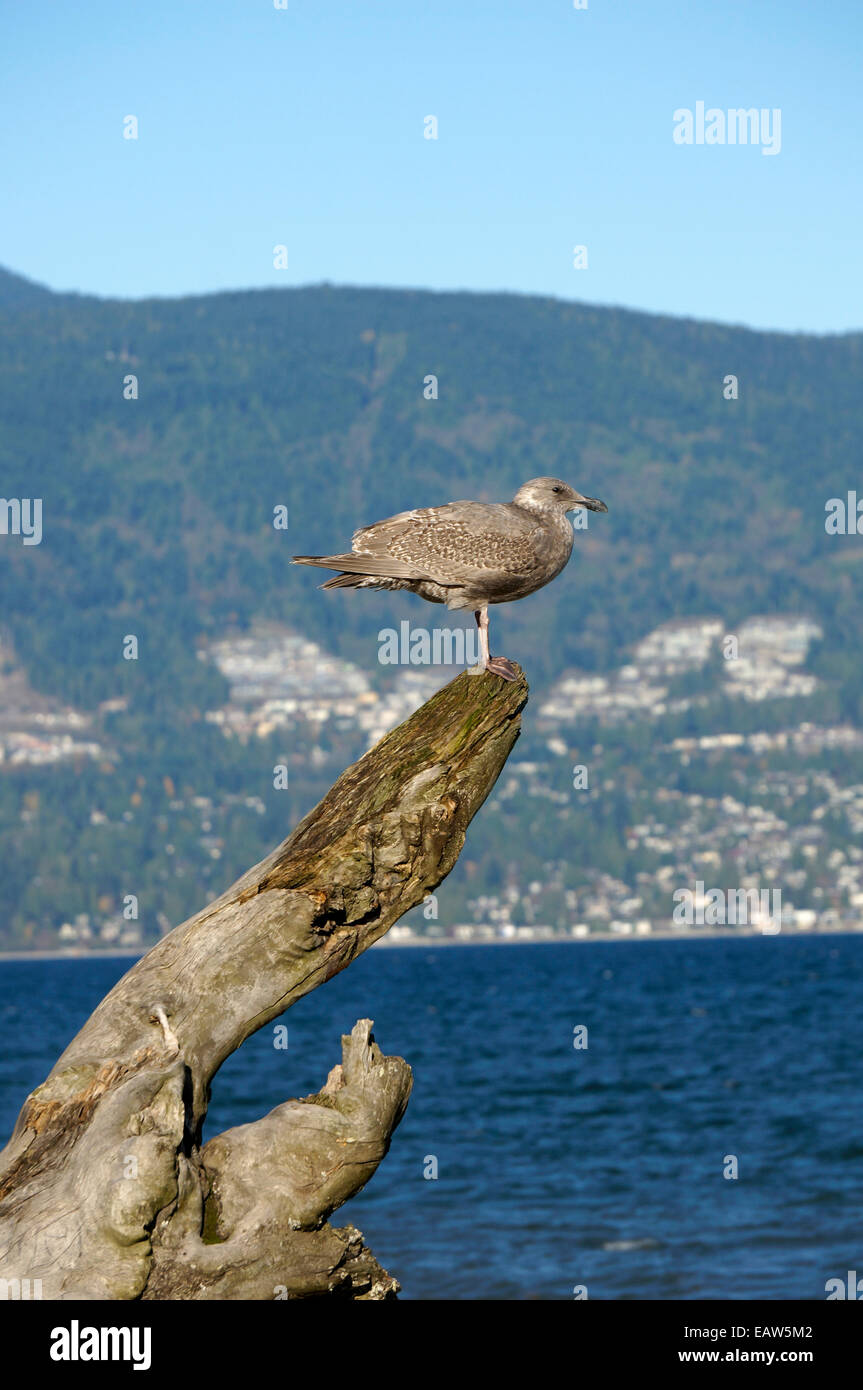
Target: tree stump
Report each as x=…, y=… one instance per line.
x=105, y=1189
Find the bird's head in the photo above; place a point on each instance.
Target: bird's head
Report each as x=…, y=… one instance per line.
x=550, y=494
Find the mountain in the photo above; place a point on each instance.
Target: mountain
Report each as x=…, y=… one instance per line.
x=159, y=436
x=157, y=511
x=17, y=292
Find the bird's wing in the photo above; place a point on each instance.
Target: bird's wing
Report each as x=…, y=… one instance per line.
x=455, y=543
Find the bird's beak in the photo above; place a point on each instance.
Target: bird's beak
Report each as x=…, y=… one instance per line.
x=593, y=504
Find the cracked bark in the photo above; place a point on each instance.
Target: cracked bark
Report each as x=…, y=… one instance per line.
x=105, y=1189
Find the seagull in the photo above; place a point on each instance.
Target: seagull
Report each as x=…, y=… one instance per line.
x=466, y=554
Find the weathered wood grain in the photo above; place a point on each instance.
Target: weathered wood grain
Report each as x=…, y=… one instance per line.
x=105, y=1190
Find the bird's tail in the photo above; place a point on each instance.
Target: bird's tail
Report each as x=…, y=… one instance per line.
x=365, y=566
x=327, y=562
x=346, y=581
x=355, y=580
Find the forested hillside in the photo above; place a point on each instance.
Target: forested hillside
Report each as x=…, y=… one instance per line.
x=158, y=521
x=158, y=511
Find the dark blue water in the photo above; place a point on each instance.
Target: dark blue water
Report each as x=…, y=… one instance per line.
x=560, y=1167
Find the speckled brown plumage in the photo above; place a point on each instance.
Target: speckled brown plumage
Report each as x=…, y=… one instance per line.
x=465, y=554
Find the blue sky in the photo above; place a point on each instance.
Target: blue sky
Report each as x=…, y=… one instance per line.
x=304, y=127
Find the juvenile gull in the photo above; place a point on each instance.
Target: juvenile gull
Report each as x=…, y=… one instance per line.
x=466, y=554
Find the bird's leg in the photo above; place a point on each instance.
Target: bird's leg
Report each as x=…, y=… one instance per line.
x=498, y=665
x=482, y=628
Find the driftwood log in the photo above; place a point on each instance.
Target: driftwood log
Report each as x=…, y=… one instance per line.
x=105, y=1189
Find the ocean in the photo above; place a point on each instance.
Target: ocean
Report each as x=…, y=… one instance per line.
x=599, y=1168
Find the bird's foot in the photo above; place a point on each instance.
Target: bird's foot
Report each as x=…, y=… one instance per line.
x=501, y=666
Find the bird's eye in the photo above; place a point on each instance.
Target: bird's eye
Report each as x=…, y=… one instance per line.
x=557, y=489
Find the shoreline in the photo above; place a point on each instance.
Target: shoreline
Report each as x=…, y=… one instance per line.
x=704, y=935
